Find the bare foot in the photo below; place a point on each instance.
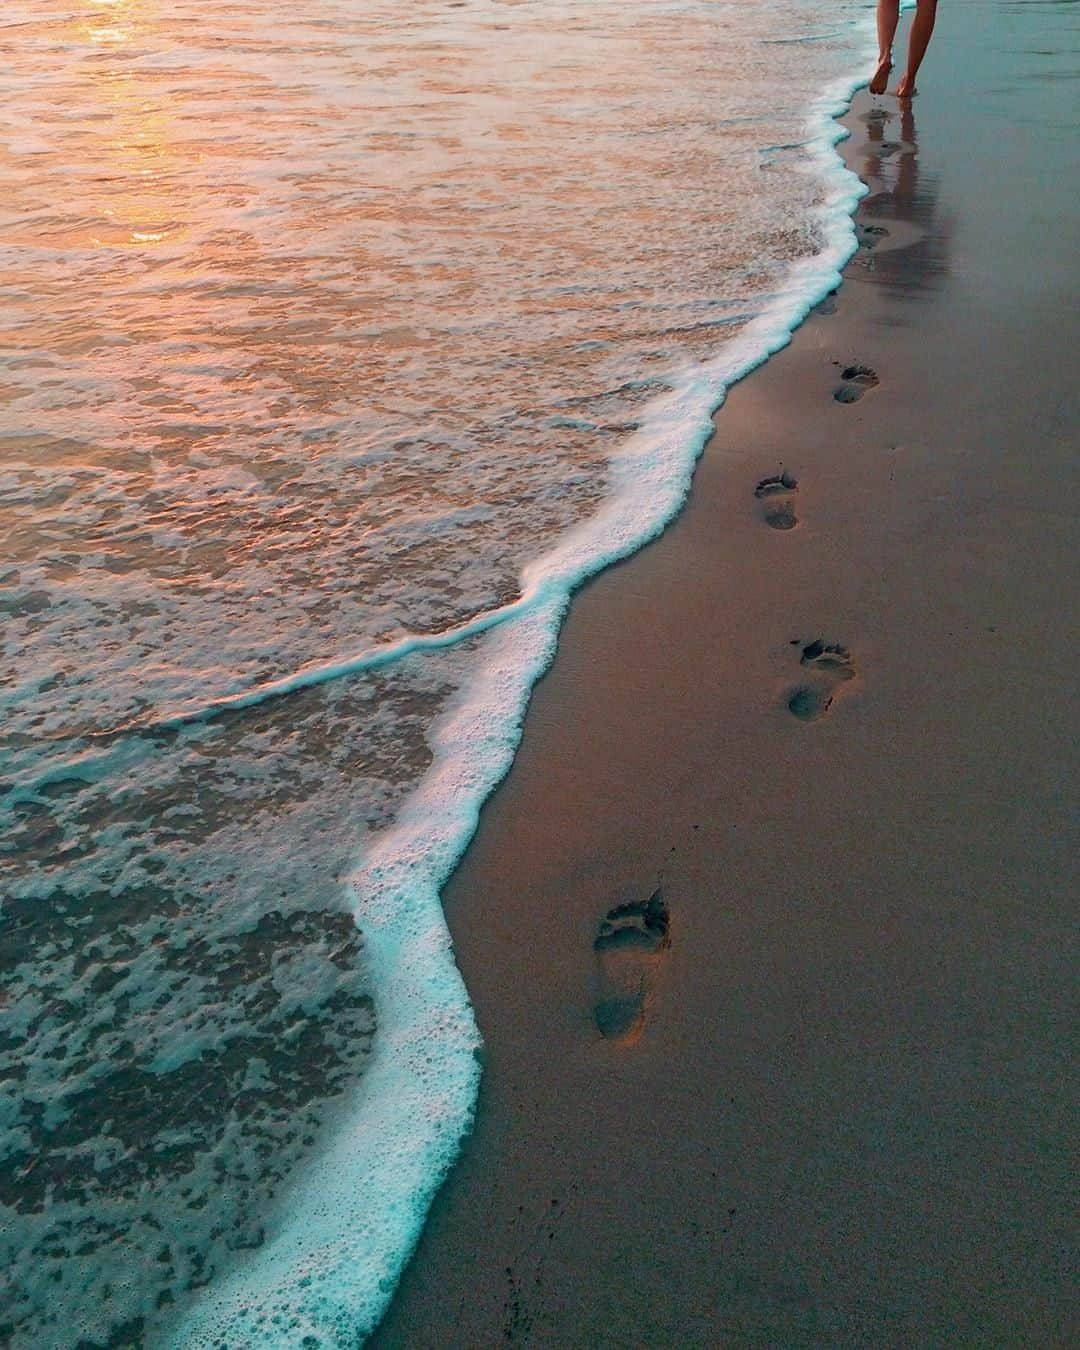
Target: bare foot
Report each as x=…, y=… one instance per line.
x=906, y=88
x=881, y=76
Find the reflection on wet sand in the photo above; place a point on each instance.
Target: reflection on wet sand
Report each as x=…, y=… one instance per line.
x=905, y=236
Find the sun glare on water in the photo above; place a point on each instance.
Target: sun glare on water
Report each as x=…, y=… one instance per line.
x=129, y=166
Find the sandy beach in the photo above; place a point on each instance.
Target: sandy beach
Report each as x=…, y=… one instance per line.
x=845, y=1118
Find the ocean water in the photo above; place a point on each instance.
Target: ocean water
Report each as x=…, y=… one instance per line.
x=340, y=342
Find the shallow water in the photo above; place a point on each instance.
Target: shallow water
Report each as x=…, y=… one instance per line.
x=319, y=330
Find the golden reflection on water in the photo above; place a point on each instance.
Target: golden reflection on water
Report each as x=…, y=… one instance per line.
x=358, y=300
x=136, y=167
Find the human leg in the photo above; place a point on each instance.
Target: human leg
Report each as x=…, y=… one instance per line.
x=888, y=16
x=921, y=29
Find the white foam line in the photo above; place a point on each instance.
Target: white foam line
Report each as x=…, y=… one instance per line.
x=356, y=1213
x=371, y=658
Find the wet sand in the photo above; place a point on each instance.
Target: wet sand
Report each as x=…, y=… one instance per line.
x=844, y=1116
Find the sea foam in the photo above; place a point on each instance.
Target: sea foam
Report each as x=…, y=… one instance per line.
x=355, y=1215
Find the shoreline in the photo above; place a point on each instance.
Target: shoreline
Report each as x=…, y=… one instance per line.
x=395, y=892
x=863, y=975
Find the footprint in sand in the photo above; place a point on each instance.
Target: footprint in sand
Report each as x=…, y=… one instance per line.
x=869, y=236
x=628, y=947
x=776, y=492
x=831, y=666
x=856, y=381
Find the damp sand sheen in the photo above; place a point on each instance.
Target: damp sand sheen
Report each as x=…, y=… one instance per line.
x=340, y=349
